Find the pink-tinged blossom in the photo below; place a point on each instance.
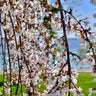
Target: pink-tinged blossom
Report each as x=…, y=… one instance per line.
x=55, y=5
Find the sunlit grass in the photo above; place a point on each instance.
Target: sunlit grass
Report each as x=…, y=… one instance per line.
x=84, y=81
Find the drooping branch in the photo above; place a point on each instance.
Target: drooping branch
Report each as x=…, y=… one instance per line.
x=62, y=68
x=19, y=66
x=17, y=56
x=13, y=27
x=14, y=34
x=59, y=73
x=66, y=43
x=31, y=84
x=8, y=49
x=3, y=53
x=76, y=88
x=19, y=79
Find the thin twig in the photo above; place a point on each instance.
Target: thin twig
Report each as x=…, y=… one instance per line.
x=76, y=88
x=73, y=54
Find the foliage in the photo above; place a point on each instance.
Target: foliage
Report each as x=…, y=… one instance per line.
x=81, y=52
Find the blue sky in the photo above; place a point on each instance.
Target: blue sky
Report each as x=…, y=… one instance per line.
x=85, y=9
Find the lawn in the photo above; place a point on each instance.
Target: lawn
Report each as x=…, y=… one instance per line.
x=84, y=81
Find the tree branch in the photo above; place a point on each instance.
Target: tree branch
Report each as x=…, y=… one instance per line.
x=56, y=83
x=76, y=88
x=73, y=54
x=87, y=39
x=8, y=49
x=66, y=42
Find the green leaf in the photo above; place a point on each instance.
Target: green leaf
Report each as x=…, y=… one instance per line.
x=54, y=10
x=57, y=50
x=18, y=46
x=44, y=2
x=89, y=29
x=63, y=40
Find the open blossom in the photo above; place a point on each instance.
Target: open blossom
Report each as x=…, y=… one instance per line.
x=55, y=4
x=94, y=80
x=92, y=90
x=7, y=91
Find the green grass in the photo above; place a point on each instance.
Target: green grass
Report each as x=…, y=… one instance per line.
x=84, y=81
x=1, y=77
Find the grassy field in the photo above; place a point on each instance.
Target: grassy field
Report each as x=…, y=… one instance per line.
x=84, y=81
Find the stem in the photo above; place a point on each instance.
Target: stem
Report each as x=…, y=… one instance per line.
x=66, y=44
x=18, y=78
x=31, y=84
x=13, y=27
x=21, y=51
x=73, y=54
x=56, y=83
x=4, y=68
x=8, y=49
x=77, y=88
x=3, y=53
